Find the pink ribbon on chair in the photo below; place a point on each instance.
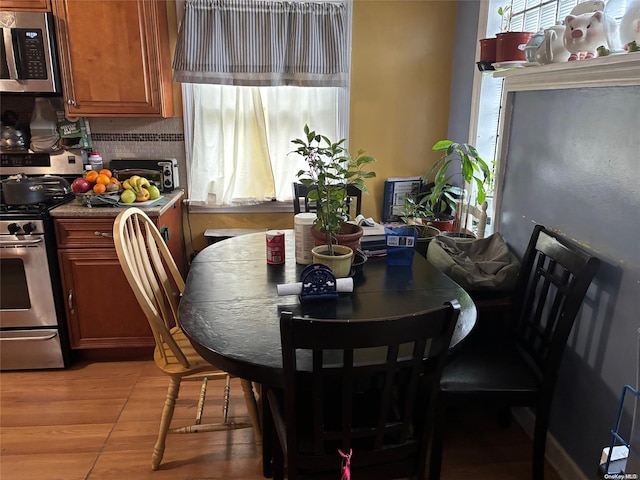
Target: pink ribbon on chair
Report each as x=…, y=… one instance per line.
x=346, y=465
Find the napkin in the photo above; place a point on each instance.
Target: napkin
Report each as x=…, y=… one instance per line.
x=343, y=285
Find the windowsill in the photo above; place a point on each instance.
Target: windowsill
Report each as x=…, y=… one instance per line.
x=265, y=207
x=611, y=71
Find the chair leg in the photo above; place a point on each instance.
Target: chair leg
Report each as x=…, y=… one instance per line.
x=540, y=439
x=252, y=407
x=268, y=436
x=165, y=421
x=437, y=440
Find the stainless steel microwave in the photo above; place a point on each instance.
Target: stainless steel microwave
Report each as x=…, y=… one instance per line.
x=29, y=63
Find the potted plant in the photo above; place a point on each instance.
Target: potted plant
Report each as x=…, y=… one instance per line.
x=444, y=195
x=330, y=169
x=510, y=45
x=417, y=215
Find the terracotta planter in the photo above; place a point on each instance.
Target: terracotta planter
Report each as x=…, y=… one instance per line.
x=510, y=46
x=349, y=236
x=488, y=49
x=339, y=262
x=443, y=225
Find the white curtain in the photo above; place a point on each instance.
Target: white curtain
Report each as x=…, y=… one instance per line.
x=241, y=138
x=254, y=72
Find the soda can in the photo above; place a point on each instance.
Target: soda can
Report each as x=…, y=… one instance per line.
x=275, y=247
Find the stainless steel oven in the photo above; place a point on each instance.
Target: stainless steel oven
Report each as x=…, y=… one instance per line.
x=29, y=337
x=33, y=331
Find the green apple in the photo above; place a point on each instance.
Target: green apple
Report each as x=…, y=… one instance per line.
x=154, y=192
x=128, y=196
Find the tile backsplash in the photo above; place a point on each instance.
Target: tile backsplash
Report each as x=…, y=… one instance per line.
x=140, y=138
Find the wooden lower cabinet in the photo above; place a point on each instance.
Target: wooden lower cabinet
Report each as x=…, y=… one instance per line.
x=103, y=315
x=102, y=311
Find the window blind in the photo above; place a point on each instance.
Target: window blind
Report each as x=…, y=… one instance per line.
x=264, y=43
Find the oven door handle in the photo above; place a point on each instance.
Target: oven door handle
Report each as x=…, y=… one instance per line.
x=43, y=337
x=20, y=243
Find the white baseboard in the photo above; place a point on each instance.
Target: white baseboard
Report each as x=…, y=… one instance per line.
x=555, y=454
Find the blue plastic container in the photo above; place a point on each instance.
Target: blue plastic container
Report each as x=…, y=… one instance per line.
x=401, y=243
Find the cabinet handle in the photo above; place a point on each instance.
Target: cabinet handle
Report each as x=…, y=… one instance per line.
x=70, y=302
x=103, y=234
x=71, y=101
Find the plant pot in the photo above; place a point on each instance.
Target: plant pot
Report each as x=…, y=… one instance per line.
x=510, y=46
x=444, y=224
x=488, y=50
x=349, y=236
x=339, y=262
x=425, y=235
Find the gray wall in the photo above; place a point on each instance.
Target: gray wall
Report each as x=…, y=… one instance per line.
x=572, y=165
x=463, y=70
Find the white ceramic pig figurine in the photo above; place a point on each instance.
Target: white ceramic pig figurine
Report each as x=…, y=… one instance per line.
x=630, y=24
x=585, y=33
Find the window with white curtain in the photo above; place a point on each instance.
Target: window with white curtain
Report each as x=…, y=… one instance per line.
x=254, y=72
x=242, y=136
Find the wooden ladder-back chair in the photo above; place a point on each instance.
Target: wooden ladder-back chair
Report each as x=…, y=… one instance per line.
x=158, y=286
x=518, y=364
x=301, y=202
x=473, y=218
x=366, y=386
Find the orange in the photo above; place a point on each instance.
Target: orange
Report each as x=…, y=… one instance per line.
x=115, y=181
x=105, y=171
x=103, y=179
x=91, y=176
x=99, y=188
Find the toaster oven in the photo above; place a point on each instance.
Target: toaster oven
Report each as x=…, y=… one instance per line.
x=163, y=171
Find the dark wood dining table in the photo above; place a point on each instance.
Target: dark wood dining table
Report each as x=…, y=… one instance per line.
x=230, y=309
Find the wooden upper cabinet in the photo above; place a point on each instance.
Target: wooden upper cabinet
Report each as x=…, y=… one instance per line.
x=25, y=5
x=114, y=57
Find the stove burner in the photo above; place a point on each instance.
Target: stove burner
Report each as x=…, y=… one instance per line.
x=35, y=209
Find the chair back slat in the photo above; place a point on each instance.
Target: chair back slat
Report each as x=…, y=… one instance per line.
x=359, y=381
x=553, y=281
x=301, y=202
x=153, y=276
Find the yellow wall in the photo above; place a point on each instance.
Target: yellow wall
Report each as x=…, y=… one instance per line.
x=400, y=85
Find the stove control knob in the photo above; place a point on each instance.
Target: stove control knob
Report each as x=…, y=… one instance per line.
x=13, y=228
x=28, y=228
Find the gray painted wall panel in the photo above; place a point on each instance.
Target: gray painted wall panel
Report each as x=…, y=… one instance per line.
x=572, y=165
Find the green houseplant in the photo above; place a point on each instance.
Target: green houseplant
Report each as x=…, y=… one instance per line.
x=330, y=169
x=444, y=194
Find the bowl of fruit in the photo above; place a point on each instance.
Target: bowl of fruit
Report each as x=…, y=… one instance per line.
x=101, y=188
x=97, y=188
x=138, y=189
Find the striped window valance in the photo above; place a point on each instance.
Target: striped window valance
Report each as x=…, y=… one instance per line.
x=264, y=42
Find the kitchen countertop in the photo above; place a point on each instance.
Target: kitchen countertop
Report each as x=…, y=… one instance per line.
x=74, y=209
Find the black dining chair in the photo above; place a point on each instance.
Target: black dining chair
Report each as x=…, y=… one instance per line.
x=361, y=386
x=518, y=363
x=301, y=202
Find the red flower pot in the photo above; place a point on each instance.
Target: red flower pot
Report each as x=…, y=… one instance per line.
x=488, y=50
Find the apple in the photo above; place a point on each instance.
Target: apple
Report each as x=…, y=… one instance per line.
x=80, y=185
x=128, y=196
x=154, y=192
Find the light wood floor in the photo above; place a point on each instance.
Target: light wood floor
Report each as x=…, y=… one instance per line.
x=99, y=421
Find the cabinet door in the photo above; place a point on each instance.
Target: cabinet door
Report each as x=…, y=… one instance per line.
x=26, y=5
x=102, y=311
x=114, y=57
